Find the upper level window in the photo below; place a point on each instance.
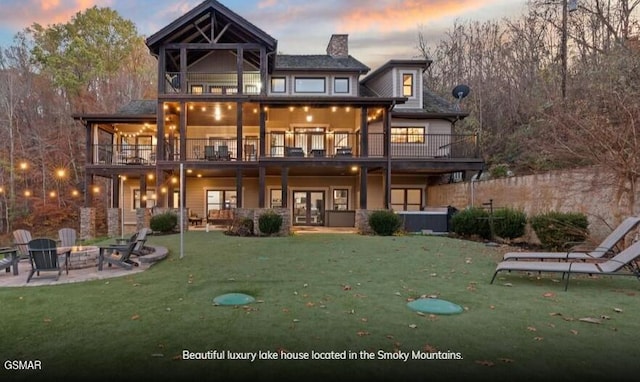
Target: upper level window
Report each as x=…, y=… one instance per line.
x=407, y=85
x=278, y=85
x=341, y=85
x=310, y=85
x=407, y=134
x=197, y=89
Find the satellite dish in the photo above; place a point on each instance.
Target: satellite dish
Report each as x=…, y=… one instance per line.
x=460, y=91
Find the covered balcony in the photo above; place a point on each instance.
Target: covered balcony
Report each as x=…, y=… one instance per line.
x=301, y=145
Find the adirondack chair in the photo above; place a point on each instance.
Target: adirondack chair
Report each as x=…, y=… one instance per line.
x=43, y=255
x=67, y=237
x=117, y=255
x=21, y=239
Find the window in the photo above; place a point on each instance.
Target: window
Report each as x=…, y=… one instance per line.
x=341, y=140
x=341, y=199
x=341, y=85
x=221, y=199
x=406, y=199
x=407, y=85
x=278, y=85
x=150, y=197
x=277, y=143
x=407, y=135
x=310, y=85
x=197, y=89
x=276, y=198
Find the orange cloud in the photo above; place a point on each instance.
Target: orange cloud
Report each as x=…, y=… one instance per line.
x=49, y=4
x=267, y=3
x=404, y=14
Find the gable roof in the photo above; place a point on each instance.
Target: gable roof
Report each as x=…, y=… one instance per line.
x=319, y=62
x=208, y=23
x=424, y=64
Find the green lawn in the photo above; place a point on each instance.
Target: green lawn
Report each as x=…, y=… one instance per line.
x=322, y=293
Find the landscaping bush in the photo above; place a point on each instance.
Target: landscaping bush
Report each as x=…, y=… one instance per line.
x=385, y=223
x=509, y=223
x=241, y=227
x=559, y=230
x=164, y=222
x=269, y=223
x=471, y=221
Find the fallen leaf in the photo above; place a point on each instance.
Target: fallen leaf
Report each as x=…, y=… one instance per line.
x=531, y=328
x=310, y=304
x=485, y=363
x=346, y=287
x=574, y=332
x=617, y=310
x=555, y=314
x=492, y=307
x=46, y=319
x=549, y=295
x=507, y=284
x=429, y=348
x=362, y=333
x=135, y=317
x=590, y=320
x=413, y=326
x=538, y=338
x=506, y=360
x=364, y=319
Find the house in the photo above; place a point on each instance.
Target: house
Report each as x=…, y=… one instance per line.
x=317, y=137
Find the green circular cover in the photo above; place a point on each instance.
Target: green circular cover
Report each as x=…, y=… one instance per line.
x=233, y=299
x=434, y=306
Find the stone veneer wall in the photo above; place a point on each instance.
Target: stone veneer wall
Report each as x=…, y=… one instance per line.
x=587, y=190
x=87, y=223
x=114, y=222
x=362, y=222
x=142, y=218
x=255, y=213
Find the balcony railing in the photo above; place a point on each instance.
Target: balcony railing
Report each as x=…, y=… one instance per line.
x=214, y=83
x=307, y=146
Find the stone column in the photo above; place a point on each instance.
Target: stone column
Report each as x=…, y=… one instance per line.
x=142, y=218
x=362, y=222
x=114, y=222
x=87, y=223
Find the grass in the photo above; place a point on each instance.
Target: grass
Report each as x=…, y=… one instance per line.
x=324, y=293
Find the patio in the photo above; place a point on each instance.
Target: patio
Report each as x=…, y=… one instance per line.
x=76, y=274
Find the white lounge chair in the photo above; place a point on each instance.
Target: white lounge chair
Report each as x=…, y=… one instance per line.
x=626, y=259
x=607, y=246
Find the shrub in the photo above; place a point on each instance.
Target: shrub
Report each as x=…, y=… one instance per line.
x=241, y=227
x=164, y=222
x=471, y=221
x=384, y=222
x=269, y=223
x=509, y=223
x=558, y=230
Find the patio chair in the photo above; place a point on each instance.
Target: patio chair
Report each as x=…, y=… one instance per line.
x=43, y=255
x=223, y=152
x=67, y=237
x=117, y=255
x=628, y=258
x=21, y=239
x=607, y=246
x=210, y=153
x=9, y=259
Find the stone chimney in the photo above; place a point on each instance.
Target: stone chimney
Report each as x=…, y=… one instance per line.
x=338, y=46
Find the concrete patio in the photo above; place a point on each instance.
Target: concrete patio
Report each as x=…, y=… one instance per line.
x=79, y=275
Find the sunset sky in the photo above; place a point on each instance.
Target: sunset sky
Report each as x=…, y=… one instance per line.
x=378, y=30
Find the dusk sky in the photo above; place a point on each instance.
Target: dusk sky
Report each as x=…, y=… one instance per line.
x=378, y=30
